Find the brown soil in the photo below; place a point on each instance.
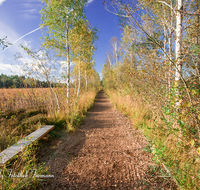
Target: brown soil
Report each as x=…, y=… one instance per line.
x=105, y=152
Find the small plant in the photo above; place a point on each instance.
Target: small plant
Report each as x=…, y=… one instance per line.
x=23, y=171
x=147, y=148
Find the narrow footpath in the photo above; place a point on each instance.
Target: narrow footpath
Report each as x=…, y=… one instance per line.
x=105, y=152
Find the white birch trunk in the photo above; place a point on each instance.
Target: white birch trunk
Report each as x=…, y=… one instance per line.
x=178, y=71
x=75, y=86
x=165, y=43
x=86, y=83
x=79, y=77
x=170, y=48
x=116, y=57
x=109, y=60
x=68, y=67
x=68, y=80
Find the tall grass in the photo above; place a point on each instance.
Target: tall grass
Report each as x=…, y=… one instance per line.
x=24, y=111
x=180, y=157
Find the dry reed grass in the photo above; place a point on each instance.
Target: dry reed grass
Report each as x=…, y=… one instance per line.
x=25, y=110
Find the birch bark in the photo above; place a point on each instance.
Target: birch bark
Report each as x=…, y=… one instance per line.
x=178, y=71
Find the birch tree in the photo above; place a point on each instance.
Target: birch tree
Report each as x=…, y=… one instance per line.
x=82, y=40
x=178, y=72
x=114, y=43
x=60, y=17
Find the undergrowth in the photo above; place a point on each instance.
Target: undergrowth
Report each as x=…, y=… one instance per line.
x=179, y=156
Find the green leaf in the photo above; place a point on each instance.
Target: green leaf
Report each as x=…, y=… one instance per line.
x=192, y=142
x=198, y=150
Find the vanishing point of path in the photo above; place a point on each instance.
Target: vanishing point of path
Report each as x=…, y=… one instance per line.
x=105, y=152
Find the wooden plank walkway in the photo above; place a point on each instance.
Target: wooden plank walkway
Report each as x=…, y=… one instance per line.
x=18, y=147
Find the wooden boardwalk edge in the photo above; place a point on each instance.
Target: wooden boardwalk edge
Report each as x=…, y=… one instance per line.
x=18, y=147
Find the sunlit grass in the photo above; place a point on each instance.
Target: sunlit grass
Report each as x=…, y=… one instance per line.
x=16, y=123
x=178, y=155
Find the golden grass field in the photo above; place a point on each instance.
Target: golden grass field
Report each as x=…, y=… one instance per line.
x=17, y=98
x=23, y=111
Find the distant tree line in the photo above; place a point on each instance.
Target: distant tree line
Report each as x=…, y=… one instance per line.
x=15, y=81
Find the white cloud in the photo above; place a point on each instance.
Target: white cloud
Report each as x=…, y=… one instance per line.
x=14, y=38
x=1, y=1
x=32, y=5
x=7, y=31
x=29, y=16
x=90, y=1
x=5, y=67
x=64, y=64
x=7, y=56
x=10, y=69
x=31, y=9
x=26, y=60
x=30, y=0
x=39, y=68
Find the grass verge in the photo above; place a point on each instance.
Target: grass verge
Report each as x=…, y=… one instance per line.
x=179, y=157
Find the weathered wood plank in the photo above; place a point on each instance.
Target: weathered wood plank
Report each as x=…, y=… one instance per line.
x=18, y=147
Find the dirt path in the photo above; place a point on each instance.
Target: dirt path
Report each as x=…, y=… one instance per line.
x=105, y=153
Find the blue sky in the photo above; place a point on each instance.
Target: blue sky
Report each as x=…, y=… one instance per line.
x=19, y=17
